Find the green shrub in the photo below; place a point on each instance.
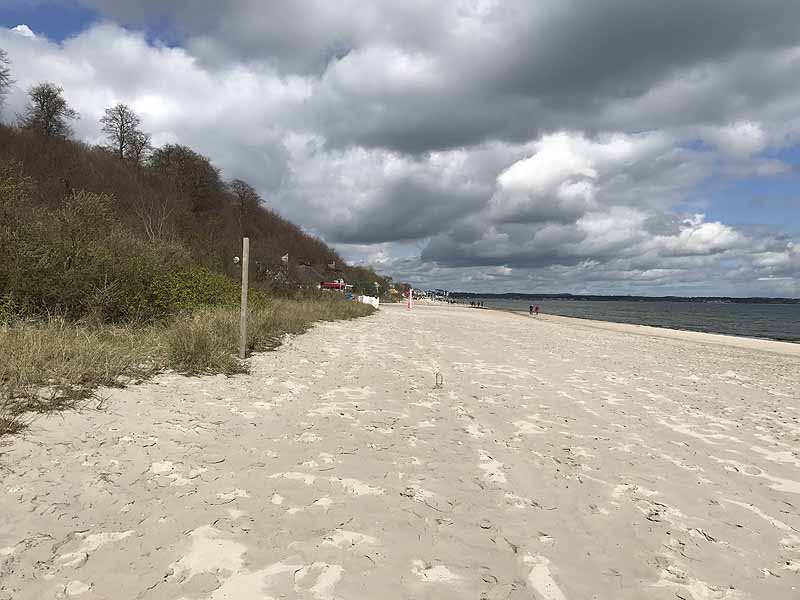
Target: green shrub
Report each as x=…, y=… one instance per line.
x=75, y=257
x=192, y=288
x=131, y=286
x=77, y=261
x=9, y=311
x=52, y=257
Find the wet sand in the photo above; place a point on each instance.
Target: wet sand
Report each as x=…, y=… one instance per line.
x=561, y=459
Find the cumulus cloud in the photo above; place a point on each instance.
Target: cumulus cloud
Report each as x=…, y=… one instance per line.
x=479, y=144
x=24, y=31
x=237, y=115
x=575, y=198
x=577, y=203
x=740, y=140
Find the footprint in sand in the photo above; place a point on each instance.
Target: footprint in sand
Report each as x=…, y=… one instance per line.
x=432, y=573
x=492, y=469
x=540, y=580
x=324, y=576
x=347, y=540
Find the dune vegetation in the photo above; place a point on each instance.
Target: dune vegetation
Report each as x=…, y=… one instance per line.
x=116, y=263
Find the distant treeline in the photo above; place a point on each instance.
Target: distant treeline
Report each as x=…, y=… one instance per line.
x=602, y=298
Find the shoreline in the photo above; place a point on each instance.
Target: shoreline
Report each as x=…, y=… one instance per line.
x=793, y=348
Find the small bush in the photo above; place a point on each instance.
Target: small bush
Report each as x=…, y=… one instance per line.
x=8, y=309
x=193, y=288
x=129, y=289
x=54, y=262
x=10, y=425
x=205, y=342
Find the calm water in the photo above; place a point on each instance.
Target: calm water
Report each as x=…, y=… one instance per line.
x=774, y=321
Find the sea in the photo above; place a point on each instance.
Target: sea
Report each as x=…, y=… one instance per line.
x=770, y=321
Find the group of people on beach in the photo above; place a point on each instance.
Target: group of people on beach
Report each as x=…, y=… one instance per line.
x=533, y=309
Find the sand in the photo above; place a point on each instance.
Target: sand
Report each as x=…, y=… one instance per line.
x=560, y=459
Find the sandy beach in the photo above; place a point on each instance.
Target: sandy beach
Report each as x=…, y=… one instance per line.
x=559, y=460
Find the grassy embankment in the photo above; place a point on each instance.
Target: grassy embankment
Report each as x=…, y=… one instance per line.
x=112, y=271
x=53, y=364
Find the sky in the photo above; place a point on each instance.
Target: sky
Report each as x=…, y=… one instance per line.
x=614, y=146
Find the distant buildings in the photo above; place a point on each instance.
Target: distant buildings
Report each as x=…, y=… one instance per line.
x=437, y=294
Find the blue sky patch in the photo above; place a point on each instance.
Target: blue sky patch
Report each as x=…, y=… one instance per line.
x=56, y=20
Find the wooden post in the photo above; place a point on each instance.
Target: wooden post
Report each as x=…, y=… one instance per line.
x=243, y=313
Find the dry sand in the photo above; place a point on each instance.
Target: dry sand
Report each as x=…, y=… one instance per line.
x=560, y=460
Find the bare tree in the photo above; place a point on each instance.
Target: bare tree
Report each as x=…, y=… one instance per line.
x=121, y=126
x=193, y=175
x=5, y=76
x=248, y=199
x=155, y=215
x=47, y=112
x=138, y=147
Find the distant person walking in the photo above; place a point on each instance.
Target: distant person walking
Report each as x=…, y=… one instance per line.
x=536, y=310
x=530, y=310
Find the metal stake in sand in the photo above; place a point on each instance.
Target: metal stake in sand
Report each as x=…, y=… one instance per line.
x=243, y=313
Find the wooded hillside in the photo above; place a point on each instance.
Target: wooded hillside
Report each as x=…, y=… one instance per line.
x=179, y=196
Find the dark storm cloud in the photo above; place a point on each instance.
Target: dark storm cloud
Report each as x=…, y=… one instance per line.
x=301, y=36
x=506, y=246
x=619, y=48
x=407, y=210
x=478, y=71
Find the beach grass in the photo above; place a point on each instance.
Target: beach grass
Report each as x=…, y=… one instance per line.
x=54, y=365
